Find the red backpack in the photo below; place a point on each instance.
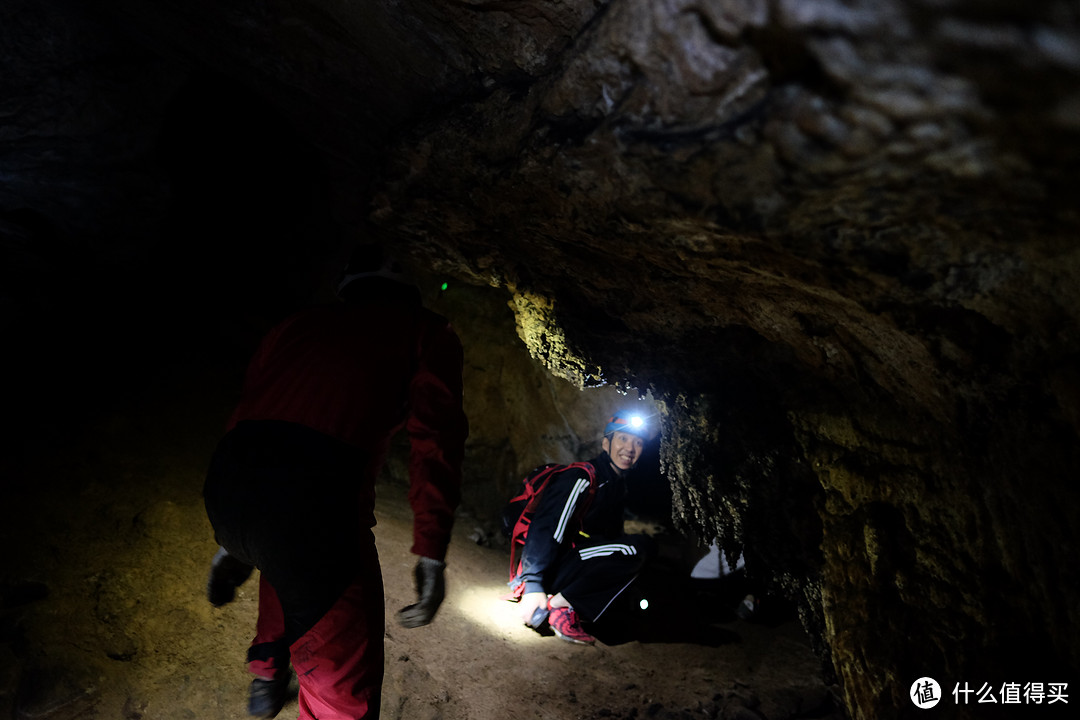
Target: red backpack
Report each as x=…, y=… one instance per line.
x=519, y=512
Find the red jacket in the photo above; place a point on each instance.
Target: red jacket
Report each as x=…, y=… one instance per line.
x=360, y=373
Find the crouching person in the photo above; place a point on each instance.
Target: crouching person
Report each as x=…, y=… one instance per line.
x=576, y=558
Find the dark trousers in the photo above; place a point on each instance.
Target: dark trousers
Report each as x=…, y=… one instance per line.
x=595, y=572
x=285, y=499
x=288, y=500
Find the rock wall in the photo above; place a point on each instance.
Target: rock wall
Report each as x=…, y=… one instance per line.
x=520, y=416
x=835, y=241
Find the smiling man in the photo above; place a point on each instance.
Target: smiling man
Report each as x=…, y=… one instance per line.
x=577, y=559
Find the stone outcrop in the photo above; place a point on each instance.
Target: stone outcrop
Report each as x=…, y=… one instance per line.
x=836, y=241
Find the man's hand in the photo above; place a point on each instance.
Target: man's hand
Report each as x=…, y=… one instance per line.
x=226, y=574
x=431, y=587
x=528, y=607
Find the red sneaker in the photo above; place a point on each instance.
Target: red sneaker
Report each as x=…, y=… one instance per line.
x=564, y=621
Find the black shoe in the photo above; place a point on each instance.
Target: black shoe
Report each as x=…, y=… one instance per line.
x=267, y=697
x=226, y=574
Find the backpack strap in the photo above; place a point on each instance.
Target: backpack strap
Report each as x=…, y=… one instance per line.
x=536, y=484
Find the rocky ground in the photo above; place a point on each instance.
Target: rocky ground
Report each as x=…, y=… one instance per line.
x=104, y=615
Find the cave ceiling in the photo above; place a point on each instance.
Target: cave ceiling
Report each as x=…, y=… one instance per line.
x=840, y=235
x=817, y=179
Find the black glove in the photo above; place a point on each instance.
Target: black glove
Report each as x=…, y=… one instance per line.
x=431, y=587
x=226, y=574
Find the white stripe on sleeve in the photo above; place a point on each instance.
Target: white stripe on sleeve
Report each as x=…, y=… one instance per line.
x=604, y=550
x=568, y=509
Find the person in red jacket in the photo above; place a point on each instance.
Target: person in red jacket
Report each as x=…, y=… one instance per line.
x=291, y=486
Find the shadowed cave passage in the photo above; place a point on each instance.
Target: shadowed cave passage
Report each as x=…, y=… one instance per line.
x=115, y=539
x=834, y=245
x=119, y=624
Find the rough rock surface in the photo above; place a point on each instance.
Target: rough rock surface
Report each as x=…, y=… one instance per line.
x=836, y=242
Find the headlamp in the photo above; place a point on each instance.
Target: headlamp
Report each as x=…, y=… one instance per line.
x=631, y=422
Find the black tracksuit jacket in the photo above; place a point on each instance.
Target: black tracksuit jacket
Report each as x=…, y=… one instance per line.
x=556, y=528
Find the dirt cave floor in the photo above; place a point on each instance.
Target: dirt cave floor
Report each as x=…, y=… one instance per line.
x=104, y=614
